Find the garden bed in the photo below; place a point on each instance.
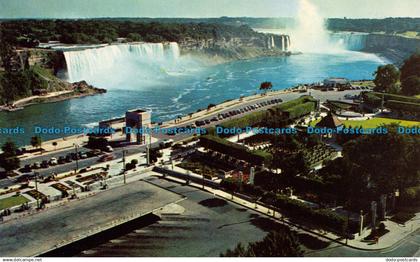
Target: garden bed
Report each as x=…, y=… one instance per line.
x=12, y=201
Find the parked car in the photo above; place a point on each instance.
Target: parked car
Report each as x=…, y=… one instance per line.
x=69, y=158
x=61, y=160
x=53, y=161
x=83, y=156
x=23, y=179
x=106, y=157
x=27, y=169
x=109, y=149
x=45, y=164
x=36, y=165
x=207, y=121
x=166, y=143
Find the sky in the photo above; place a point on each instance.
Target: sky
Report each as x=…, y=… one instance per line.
x=203, y=8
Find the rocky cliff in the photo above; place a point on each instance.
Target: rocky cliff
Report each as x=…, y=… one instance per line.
x=236, y=48
x=394, y=48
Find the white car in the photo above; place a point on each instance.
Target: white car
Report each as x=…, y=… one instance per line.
x=109, y=149
x=53, y=161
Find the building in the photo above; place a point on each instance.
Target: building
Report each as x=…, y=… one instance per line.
x=137, y=120
x=336, y=82
x=330, y=121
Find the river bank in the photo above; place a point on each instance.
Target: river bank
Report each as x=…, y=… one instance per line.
x=77, y=90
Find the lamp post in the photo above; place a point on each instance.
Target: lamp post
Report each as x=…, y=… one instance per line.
x=76, y=148
x=124, y=169
x=36, y=189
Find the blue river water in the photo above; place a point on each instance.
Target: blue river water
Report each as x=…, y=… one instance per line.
x=179, y=93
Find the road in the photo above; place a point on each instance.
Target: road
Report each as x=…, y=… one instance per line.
x=408, y=247
x=41, y=232
x=134, y=149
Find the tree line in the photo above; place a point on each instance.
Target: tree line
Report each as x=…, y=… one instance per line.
x=406, y=80
x=94, y=31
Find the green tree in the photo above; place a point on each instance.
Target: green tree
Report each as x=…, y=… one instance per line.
x=383, y=162
x=410, y=75
x=386, y=78
x=265, y=86
x=36, y=141
x=411, y=67
x=411, y=85
x=134, y=37
x=282, y=243
x=9, y=160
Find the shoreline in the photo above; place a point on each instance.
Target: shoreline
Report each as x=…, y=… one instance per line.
x=196, y=115
x=60, y=96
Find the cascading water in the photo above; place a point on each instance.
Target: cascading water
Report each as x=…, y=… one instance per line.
x=95, y=63
x=349, y=40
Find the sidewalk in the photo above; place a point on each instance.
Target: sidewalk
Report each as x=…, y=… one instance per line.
x=114, y=179
x=397, y=232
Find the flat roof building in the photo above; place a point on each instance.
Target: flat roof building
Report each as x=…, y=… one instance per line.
x=334, y=82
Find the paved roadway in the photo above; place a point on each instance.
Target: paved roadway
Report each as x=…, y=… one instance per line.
x=408, y=247
x=35, y=234
x=137, y=149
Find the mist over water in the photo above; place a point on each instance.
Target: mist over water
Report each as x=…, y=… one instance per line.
x=310, y=34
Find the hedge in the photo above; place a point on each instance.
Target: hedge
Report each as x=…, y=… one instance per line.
x=301, y=110
x=411, y=196
x=371, y=99
x=296, y=209
x=409, y=99
x=323, y=217
x=295, y=108
x=375, y=98
x=252, y=119
x=403, y=106
x=295, y=102
x=240, y=152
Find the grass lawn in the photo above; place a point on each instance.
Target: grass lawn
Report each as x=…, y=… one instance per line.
x=12, y=201
x=375, y=122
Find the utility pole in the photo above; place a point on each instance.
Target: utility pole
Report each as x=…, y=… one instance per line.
x=124, y=169
x=36, y=188
x=148, y=144
x=76, y=147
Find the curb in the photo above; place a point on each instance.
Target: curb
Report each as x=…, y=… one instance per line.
x=287, y=222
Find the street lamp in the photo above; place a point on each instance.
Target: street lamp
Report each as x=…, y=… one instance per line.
x=76, y=148
x=124, y=168
x=36, y=174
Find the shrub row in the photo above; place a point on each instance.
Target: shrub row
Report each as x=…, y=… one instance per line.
x=375, y=98
x=403, y=106
x=400, y=98
x=300, y=110
x=252, y=119
x=240, y=152
x=411, y=196
x=323, y=217
x=295, y=208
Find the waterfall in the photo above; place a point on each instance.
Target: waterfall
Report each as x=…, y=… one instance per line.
x=273, y=45
x=283, y=45
x=349, y=40
x=86, y=64
x=289, y=45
